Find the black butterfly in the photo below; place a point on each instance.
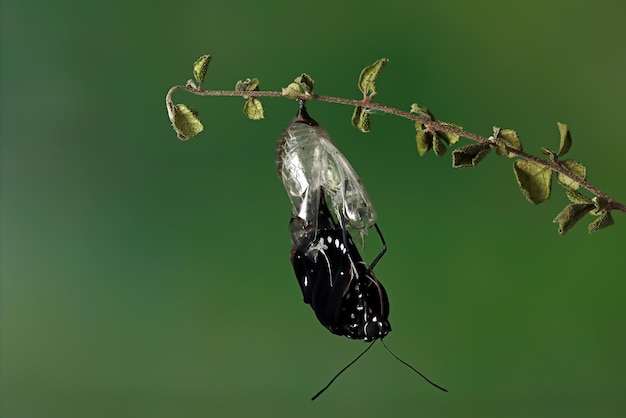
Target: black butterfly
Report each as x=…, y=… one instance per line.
x=342, y=290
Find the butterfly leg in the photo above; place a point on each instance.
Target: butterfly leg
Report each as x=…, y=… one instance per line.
x=382, y=252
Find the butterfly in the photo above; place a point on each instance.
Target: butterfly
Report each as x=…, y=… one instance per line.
x=339, y=286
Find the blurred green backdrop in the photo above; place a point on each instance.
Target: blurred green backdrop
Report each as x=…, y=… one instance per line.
x=147, y=277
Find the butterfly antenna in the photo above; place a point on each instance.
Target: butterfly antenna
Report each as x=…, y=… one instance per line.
x=344, y=369
x=382, y=252
x=411, y=367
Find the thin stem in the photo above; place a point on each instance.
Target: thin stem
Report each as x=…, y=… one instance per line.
x=612, y=204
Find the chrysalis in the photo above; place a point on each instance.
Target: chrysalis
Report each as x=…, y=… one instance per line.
x=308, y=161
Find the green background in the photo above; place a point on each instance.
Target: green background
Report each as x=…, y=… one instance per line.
x=147, y=277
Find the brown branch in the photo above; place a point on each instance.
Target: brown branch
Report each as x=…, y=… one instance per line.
x=612, y=204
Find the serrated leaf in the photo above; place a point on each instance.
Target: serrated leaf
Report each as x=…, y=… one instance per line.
x=576, y=197
x=367, y=79
x=469, y=155
x=292, y=91
x=361, y=119
x=305, y=82
x=185, y=122
x=253, y=109
x=566, y=139
x=249, y=84
x=439, y=146
x=200, y=67
x=569, y=216
x=534, y=180
x=603, y=221
x=423, y=138
x=576, y=168
x=506, y=138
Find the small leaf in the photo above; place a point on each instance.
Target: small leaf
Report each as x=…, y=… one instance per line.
x=576, y=168
x=361, y=119
x=367, y=79
x=421, y=111
x=603, y=221
x=305, y=82
x=506, y=138
x=423, y=138
x=439, y=146
x=552, y=156
x=534, y=180
x=470, y=155
x=200, y=67
x=247, y=85
x=450, y=137
x=569, y=216
x=185, y=121
x=566, y=139
x=253, y=109
x=577, y=197
x=292, y=91
x=600, y=203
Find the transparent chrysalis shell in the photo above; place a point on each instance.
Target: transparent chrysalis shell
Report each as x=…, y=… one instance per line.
x=309, y=164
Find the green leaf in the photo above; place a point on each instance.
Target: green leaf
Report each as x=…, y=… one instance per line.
x=253, y=109
x=569, y=216
x=576, y=168
x=603, y=221
x=449, y=137
x=566, y=139
x=506, y=138
x=470, y=155
x=200, y=67
x=552, y=156
x=305, y=82
x=247, y=85
x=534, y=180
x=367, y=79
x=292, y=91
x=600, y=203
x=361, y=119
x=576, y=197
x=185, y=121
x=423, y=138
x=439, y=146
x=421, y=111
